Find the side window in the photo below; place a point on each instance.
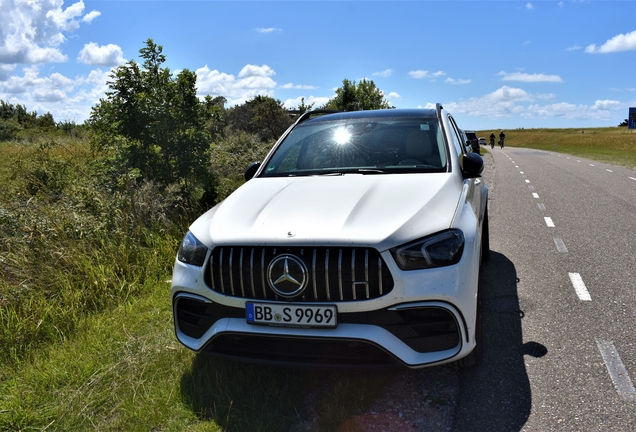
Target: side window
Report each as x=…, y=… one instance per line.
x=456, y=136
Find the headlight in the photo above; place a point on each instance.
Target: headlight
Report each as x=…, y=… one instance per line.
x=438, y=250
x=192, y=251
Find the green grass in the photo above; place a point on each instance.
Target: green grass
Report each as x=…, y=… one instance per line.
x=615, y=145
x=124, y=370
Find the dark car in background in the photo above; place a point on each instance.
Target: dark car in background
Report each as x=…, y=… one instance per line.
x=473, y=141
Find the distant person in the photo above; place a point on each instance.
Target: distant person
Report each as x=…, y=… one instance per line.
x=492, y=140
x=502, y=137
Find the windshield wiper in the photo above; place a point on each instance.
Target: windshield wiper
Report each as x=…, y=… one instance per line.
x=373, y=171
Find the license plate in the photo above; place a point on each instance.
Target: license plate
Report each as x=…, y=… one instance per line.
x=292, y=315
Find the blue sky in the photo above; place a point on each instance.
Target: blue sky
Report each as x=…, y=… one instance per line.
x=493, y=64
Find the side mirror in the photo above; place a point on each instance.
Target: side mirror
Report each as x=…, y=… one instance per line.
x=472, y=165
x=251, y=170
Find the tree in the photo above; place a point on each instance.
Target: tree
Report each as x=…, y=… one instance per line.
x=355, y=97
x=624, y=123
x=262, y=115
x=303, y=107
x=154, y=123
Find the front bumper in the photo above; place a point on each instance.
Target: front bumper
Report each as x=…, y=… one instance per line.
x=413, y=334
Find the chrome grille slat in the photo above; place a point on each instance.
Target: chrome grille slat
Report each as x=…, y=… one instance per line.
x=220, y=270
x=231, y=270
x=353, y=273
x=313, y=274
x=263, y=273
x=340, y=274
x=252, y=273
x=366, y=271
x=242, y=271
x=327, y=275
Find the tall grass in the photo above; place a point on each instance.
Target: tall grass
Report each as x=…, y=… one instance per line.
x=616, y=145
x=70, y=247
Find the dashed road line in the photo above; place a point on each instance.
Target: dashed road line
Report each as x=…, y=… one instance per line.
x=541, y=206
x=608, y=170
x=620, y=377
x=560, y=245
x=548, y=222
x=535, y=195
x=579, y=287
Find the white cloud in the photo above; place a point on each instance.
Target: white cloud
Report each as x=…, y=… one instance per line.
x=267, y=30
x=89, y=17
x=420, y=74
x=607, y=105
x=64, y=97
x=252, y=81
x=621, y=42
x=298, y=86
x=384, y=74
x=457, y=81
x=508, y=102
x=574, y=48
x=107, y=55
x=256, y=71
x=317, y=101
x=32, y=31
x=529, y=6
x=393, y=96
x=525, y=77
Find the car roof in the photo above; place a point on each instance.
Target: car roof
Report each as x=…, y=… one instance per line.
x=384, y=114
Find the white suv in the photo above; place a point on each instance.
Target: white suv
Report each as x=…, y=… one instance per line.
x=356, y=243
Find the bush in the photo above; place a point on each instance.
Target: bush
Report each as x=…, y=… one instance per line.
x=70, y=247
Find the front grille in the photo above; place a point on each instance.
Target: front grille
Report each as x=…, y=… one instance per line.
x=333, y=274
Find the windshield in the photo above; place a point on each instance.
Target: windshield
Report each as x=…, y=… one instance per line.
x=364, y=146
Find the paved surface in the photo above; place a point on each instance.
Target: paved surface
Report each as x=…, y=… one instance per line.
x=559, y=299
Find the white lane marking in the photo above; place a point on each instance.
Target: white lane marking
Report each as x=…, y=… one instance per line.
x=535, y=195
x=578, y=161
x=548, y=222
x=579, y=287
x=560, y=245
x=632, y=178
x=530, y=187
x=541, y=206
x=520, y=172
x=620, y=377
x=609, y=170
x=592, y=165
x=527, y=181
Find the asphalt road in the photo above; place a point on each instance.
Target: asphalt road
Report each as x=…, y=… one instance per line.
x=559, y=296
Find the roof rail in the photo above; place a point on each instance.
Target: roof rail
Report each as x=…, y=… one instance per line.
x=308, y=114
x=438, y=109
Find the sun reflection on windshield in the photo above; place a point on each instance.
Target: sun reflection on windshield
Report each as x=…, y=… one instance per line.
x=341, y=136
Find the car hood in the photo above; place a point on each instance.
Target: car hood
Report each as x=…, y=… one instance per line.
x=381, y=210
